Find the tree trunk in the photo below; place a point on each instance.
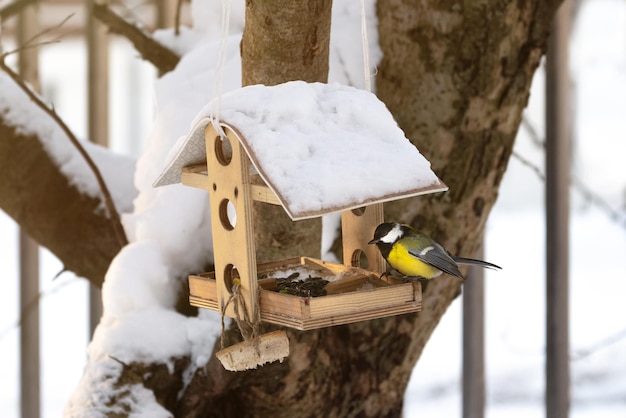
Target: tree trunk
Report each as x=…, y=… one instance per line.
x=283, y=44
x=457, y=79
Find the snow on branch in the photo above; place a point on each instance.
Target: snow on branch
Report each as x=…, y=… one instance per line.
x=163, y=58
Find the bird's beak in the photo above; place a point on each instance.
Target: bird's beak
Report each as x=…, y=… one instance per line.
x=374, y=241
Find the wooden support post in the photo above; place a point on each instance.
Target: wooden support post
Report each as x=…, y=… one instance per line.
x=233, y=236
x=557, y=216
x=474, y=342
x=97, y=116
x=30, y=382
x=358, y=227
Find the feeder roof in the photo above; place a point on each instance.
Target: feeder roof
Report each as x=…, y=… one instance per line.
x=321, y=148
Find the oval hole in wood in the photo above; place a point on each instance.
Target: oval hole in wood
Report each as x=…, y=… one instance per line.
x=223, y=150
x=228, y=214
x=230, y=273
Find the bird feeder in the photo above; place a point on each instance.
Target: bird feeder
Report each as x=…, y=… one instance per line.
x=312, y=149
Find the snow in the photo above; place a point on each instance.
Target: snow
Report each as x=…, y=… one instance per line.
x=20, y=112
x=138, y=399
x=315, y=145
x=170, y=234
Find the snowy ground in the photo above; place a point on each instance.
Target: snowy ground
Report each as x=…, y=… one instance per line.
x=515, y=295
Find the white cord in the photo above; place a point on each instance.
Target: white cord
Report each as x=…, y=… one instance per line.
x=366, y=49
x=218, y=80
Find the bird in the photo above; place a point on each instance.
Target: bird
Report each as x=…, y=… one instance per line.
x=415, y=255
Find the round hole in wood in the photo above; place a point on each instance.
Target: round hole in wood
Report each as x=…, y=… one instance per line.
x=223, y=150
x=359, y=259
x=359, y=211
x=230, y=274
x=228, y=214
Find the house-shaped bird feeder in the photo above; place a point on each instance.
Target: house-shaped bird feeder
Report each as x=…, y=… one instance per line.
x=313, y=149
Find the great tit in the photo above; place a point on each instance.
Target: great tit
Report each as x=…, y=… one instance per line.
x=415, y=255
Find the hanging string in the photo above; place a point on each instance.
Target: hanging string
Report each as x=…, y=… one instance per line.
x=218, y=80
x=366, y=49
x=248, y=327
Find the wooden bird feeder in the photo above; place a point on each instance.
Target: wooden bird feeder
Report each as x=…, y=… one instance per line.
x=291, y=292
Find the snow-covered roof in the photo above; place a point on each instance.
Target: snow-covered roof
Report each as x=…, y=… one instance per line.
x=321, y=148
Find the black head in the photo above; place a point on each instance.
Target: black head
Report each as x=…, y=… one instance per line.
x=387, y=233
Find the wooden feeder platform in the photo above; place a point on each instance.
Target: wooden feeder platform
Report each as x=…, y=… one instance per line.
x=352, y=294
x=249, y=156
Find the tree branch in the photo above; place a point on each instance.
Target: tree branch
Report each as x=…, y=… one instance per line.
x=163, y=58
x=114, y=217
x=56, y=214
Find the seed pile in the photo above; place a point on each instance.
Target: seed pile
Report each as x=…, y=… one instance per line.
x=309, y=287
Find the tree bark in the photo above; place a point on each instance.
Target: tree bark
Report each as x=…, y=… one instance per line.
x=282, y=44
x=57, y=215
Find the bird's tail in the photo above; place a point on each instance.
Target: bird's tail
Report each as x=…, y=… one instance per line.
x=480, y=263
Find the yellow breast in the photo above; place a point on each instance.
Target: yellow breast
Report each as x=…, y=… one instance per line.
x=400, y=259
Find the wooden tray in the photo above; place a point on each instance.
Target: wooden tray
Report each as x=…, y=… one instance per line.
x=352, y=294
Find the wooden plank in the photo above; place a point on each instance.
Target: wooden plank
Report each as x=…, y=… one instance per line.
x=359, y=301
x=315, y=323
x=201, y=302
x=350, y=284
x=230, y=182
x=357, y=228
x=262, y=193
x=302, y=322
x=195, y=179
x=284, y=305
x=196, y=176
x=201, y=286
x=309, y=313
x=558, y=154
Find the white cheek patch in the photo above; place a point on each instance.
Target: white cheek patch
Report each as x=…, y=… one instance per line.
x=393, y=235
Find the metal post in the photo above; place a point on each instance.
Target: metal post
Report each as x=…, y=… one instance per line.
x=29, y=332
x=474, y=342
x=558, y=137
x=97, y=116
x=30, y=392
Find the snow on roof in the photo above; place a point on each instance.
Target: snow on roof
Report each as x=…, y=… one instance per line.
x=320, y=147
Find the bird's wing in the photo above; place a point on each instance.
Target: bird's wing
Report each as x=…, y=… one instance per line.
x=434, y=255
